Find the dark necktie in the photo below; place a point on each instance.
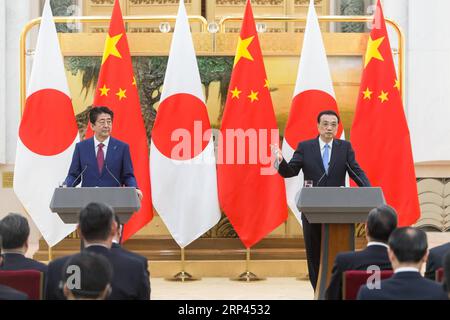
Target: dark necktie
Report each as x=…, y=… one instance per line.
x=100, y=157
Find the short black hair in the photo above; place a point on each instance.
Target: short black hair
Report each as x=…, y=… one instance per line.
x=447, y=271
x=328, y=112
x=95, y=272
x=381, y=221
x=408, y=244
x=14, y=230
x=96, y=111
x=95, y=221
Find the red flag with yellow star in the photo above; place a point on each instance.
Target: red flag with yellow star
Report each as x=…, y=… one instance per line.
x=251, y=193
x=380, y=134
x=117, y=90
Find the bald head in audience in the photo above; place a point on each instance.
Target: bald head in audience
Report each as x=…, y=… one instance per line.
x=408, y=247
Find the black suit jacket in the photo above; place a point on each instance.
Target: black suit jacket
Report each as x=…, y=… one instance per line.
x=17, y=261
x=360, y=260
x=142, y=259
x=436, y=260
x=404, y=286
x=308, y=158
x=7, y=293
x=130, y=280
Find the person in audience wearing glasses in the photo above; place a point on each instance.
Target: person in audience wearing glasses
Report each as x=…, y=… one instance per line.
x=87, y=276
x=408, y=251
x=324, y=160
x=101, y=161
x=380, y=223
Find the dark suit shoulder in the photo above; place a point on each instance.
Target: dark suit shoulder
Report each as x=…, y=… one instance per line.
x=440, y=250
x=131, y=254
x=118, y=142
x=85, y=142
x=305, y=143
x=20, y=262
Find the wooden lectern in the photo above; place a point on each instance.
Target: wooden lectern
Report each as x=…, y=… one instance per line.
x=338, y=209
x=67, y=202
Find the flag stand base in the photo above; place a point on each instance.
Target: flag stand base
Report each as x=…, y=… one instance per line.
x=248, y=276
x=182, y=276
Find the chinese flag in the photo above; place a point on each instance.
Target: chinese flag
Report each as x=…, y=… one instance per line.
x=250, y=193
x=116, y=89
x=380, y=134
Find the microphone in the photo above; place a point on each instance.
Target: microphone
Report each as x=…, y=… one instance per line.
x=351, y=170
x=109, y=171
x=324, y=174
x=79, y=176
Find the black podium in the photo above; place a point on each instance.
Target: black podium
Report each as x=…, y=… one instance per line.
x=338, y=209
x=67, y=202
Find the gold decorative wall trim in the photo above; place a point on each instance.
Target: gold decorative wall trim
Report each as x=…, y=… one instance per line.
x=7, y=179
x=158, y=2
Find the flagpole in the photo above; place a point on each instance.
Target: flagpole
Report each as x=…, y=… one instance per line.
x=50, y=254
x=183, y=275
x=248, y=276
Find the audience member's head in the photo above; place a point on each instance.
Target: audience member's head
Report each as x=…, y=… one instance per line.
x=381, y=221
x=408, y=247
x=447, y=273
x=14, y=230
x=87, y=276
x=96, y=223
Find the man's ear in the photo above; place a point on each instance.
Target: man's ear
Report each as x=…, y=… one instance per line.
x=105, y=294
x=114, y=228
x=392, y=256
x=79, y=231
x=67, y=293
x=425, y=256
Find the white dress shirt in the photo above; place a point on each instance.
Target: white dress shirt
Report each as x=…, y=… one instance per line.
x=105, y=146
x=376, y=243
x=406, y=269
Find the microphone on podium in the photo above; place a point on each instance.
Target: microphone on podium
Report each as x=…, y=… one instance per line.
x=351, y=170
x=79, y=176
x=109, y=171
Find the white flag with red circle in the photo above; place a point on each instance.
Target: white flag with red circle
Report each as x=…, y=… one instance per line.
x=182, y=162
x=47, y=134
x=313, y=93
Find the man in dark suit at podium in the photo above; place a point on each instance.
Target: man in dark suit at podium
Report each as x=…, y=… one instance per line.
x=408, y=250
x=97, y=228
x=101, y=161
x=381, y=221
x=435, y=260
x=325, y=161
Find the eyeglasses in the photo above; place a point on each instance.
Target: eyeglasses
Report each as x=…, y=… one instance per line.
x=328, y=124
x=104, y=122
